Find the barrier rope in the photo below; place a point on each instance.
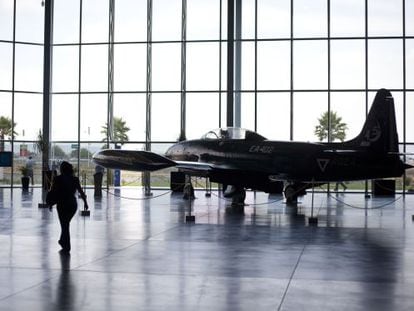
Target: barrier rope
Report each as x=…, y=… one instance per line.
x=359, y=207
x=136, y=199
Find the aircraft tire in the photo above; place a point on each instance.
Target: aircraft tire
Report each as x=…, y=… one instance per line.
x=238, y=197
x=290, y=193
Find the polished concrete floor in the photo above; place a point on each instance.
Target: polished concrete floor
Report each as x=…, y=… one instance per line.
x=134, y=254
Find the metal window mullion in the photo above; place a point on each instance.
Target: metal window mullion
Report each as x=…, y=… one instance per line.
x=329, y=70
x=13, y=86
x=255, y=65
x=404, y=90
x=366, y=72
x=79, y=76
x=220, y=59
x=291, y=70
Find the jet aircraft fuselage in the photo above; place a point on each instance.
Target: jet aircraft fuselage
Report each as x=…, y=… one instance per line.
x=256, y=162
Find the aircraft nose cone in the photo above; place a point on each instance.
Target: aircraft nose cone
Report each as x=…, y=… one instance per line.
x=407, y=166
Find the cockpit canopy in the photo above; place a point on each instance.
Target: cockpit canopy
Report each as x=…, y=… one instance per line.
x=228, y=133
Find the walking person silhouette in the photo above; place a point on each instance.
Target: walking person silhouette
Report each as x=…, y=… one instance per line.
x=64, y=188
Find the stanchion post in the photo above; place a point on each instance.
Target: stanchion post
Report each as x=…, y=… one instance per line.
x=313, y=220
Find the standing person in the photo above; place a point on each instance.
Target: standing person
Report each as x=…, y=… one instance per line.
x=97, y=179
x=29, y=167
x=64, y=187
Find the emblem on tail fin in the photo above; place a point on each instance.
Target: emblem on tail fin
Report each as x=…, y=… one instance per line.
x=371, y=135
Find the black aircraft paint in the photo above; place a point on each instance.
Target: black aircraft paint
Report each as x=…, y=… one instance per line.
x=247, y=160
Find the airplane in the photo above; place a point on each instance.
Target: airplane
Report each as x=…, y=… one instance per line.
x=246, y=160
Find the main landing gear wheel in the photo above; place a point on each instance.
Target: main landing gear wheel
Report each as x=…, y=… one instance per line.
x=291, y=194
x=238, y=197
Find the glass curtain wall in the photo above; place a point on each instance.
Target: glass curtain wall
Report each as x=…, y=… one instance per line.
x=156, y=70
x=21, y=85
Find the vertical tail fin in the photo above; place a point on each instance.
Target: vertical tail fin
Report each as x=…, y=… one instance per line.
x=379, y=132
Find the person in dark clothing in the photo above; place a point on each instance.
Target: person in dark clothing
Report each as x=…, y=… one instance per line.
x=65, y=186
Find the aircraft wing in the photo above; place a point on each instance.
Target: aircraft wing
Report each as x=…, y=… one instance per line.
x=342, y=151
x=132, y=160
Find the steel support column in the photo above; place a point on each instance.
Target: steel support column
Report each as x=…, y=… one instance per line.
x=47, y=84
x=183, y=69
x=146, y=175
x=230, y=63
x=238, y=64
x=111, y=35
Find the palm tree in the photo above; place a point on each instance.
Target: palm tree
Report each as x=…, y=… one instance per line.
x=338, y=128
x=6, y=130
x=120, y=131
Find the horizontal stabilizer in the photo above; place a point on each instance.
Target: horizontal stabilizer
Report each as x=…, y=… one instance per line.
x=131, y=160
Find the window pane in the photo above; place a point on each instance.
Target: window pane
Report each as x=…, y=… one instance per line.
x=203, y=19
x=66, y=21
x=351, y=108
x=29, y=21
x=248, y=19
x=166, y=20
x=132, y=109
x=130, y=67
x=28, y=115
x=223, y=110
x=409, y=61
x=273, y=65
x=307, y=109
x=409, y=119
x=62, y=152
x=409, y=18
x=247, y=111
x=160, y=178
x=223, y=66
x=64, y=118
x=385, y=64
x=273, y=115
x=273, y=19
x=94, y=68
x=166, y=67
x=165, y=118
x=29, y=68
x=95, y=20
x=399, y=113
x=223, y=20
x=310, y=65
x=6, y=20
x=21, y=160
x=130, y=20
x=310, y=18
x=347, y=18
x=247, y=66
x=5, y=104
x=202, y=66
x=202, y=114
x=65, y=69
x=385, y=17
x=347, y=64
x=5, y=111
x=6, y=66
x=93, y=116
